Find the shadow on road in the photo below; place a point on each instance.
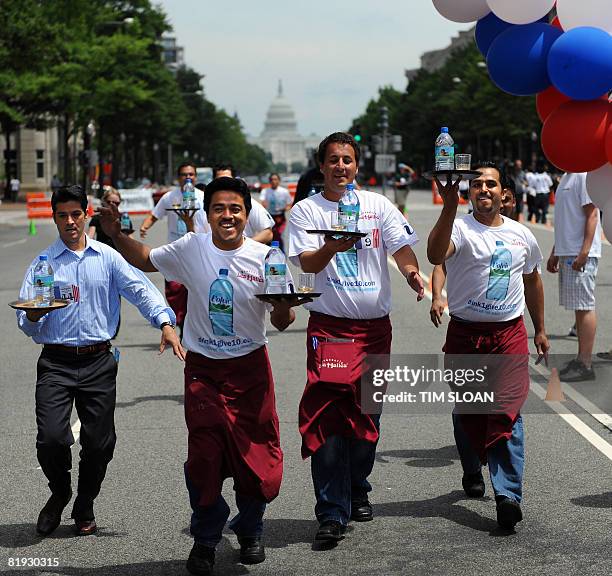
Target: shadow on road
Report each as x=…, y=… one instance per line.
x=163, y=397
x=433, y=458
x=594, y=500
x=24, y=535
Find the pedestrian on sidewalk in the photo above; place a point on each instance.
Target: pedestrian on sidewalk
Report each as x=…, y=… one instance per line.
x=575, y=256
x=349, y=321
x=76, y=365
x=276, y=199
x=230, y=408
x=487, y=295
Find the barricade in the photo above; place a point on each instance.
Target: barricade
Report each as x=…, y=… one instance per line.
x=437, y=199
x=38, y=205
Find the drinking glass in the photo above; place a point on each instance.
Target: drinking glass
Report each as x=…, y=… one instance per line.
x=463, y=161
x=335, y=222
x=306, y=282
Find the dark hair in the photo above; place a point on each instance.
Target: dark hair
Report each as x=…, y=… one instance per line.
x=503, y=178
x=338, y=138
x=71, y=193
x=274, y=174
x=184, y=165
x=227, y=184
x=223, y=166
x=200, y=186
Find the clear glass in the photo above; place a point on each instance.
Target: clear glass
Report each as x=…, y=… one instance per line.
x=335, y=222
x=306, y=282
x=463, y=161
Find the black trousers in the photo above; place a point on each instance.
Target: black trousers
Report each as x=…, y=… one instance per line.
x=542, y=202
x=89, y=382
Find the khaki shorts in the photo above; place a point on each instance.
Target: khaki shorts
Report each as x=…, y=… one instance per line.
x=401, y=194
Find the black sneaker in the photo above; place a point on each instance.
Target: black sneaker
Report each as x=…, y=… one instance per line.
x=578, y=373
x=508, y=512
x=569, y=366
x=252, y=550
x=573, y=333
x=473, y=485
x=201, y=560
x=330, y=531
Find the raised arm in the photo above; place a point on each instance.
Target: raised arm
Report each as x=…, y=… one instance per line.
x=439, y=245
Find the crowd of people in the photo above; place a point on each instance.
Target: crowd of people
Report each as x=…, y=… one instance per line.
x=233, y=428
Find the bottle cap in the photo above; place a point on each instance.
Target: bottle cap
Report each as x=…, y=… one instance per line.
x=223, y=272
x=444, y=128
x=275, y=244
x=350, y=187
x=43, y=257
x=499, y=243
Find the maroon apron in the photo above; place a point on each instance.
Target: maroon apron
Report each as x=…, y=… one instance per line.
x=176, y=295
x=512, y=384
x=233, y=426
x=331, y=402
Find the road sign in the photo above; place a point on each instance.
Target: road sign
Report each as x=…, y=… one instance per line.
x=384, y=163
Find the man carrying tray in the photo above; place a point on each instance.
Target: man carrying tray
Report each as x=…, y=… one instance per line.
x=76, y=365
x=349, y=321
x=229, y=391
x=493, y=271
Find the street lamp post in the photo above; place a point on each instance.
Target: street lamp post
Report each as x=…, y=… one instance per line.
x=384, y=125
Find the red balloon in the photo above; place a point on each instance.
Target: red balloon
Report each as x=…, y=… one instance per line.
x=574, y=135
x=555, y=22
x=549, y=100
x=609, y=144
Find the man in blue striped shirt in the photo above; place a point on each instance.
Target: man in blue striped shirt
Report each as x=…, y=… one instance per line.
x=76, y=364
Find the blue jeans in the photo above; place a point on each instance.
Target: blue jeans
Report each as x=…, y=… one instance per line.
x=340, y=470
x=207, y=522
x=506, y=460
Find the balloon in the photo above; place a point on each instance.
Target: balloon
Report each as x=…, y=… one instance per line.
x=517, y=58
x=548, y=101
x=599, y=186
x=573, y=135
x=487, y=29
x=606, y=220
x=521, y=11
x=462, y=10
x=574, y=13
x=580, y=63
x=609, y=144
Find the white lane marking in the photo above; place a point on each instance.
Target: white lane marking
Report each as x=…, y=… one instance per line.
x=578, y=425
x=14, y=243
x=76, y=432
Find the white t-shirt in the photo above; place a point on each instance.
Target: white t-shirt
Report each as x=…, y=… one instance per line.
x=176, y=227
x=277, y=200
x=531, y=183
x=570, y=198
x=259, y=219
x=235, y=328
x=543, y=183
x=355, y=284
x=475, y=292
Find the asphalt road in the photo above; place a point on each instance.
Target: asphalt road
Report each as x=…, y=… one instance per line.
x=424, y=524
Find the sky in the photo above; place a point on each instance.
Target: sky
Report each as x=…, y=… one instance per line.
x=332, y=55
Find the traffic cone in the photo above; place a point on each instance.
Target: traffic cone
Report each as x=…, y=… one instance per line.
x=554, y=392
x=33, y=231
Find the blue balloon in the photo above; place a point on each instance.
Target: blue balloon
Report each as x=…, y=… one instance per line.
x=517, y=58
x=489, y=28
x=580, y=63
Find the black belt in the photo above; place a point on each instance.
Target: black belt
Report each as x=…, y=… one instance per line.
x=79, y=350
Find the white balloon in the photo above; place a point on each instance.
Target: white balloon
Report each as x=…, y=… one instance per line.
x=574, y=13
x=599, y=187
x=462, y=10
x=521, y=11
x=606, y=220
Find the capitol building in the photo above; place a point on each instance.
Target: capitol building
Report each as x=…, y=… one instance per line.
x=280, y=136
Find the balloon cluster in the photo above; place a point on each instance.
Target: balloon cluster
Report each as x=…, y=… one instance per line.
x=567, y=63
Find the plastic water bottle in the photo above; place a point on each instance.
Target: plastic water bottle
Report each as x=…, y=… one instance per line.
x=348, y=209
x=221, y=305
x=125, y=222
x=43, y=282
x=188, y=194
x=499, y=272
x=445, y=151
x=276, y=270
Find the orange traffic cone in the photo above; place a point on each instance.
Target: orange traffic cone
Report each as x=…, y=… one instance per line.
x=554, y=392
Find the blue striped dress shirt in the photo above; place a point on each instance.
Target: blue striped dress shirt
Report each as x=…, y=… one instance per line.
x=93, y=283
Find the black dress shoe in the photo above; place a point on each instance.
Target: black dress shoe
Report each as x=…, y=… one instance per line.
x=51, y=514
x=85, y=527
x=201, y=560
x=330, y=531
x=473, y=485
x=251, y=550
x=508, y=512
x=361, y=510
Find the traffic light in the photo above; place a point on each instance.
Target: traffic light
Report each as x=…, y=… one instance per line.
x=357, y=133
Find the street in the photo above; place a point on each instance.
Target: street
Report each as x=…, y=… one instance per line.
x=424, y=524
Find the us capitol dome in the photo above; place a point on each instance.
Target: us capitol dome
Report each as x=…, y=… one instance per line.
x=280, y=136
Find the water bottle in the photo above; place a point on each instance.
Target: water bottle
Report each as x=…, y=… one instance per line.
x=43, y=282
x=188, y=194
x=348, y=209
x=499, y=272
x=445, y=151
x=221, y=305
x=276, y=270
x=126, y=223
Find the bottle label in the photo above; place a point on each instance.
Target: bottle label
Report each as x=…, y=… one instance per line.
x=276, y=270
x=445, y=157
x=220, y=308
x=43, y=281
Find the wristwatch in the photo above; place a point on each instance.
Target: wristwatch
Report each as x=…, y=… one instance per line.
x=161, y=326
